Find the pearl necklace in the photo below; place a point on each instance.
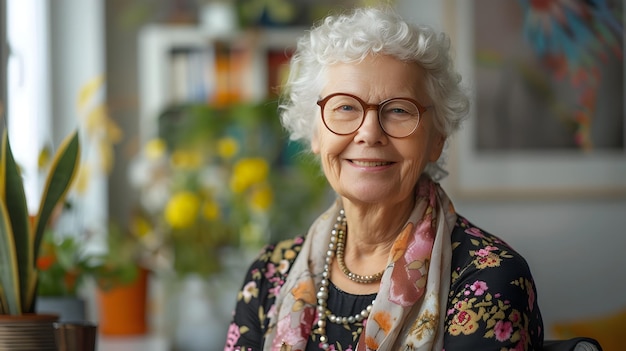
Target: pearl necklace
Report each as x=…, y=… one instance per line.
x=337, y=239
x=362, y=279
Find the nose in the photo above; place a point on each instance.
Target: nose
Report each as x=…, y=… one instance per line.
x=370, y=131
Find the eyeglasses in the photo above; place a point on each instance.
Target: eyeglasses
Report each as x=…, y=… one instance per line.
x=344, y=114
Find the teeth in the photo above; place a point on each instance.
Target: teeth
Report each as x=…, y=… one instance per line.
x=370, y=163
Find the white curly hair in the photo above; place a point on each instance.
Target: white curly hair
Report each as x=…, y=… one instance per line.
x=351, y=37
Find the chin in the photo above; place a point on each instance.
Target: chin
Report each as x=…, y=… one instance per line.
x=367, y=195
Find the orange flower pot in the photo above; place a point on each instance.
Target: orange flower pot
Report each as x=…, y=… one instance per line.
x=122, y=309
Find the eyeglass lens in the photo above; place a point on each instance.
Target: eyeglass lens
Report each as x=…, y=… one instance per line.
x=344, y=114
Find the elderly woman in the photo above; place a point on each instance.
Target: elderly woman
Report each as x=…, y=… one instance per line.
x=391, y=265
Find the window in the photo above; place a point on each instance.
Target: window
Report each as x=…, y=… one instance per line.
x=27, y=89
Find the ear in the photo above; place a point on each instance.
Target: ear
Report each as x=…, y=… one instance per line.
x=438, y=141
x=315, y=142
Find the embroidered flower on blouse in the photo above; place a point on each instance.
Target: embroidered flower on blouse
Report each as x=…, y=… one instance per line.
x=475, y=232
x=249, y=291
x=503, y=330
x=465, y=321
x=491, y=260
x=283, y=267
x=479, y=287
x=232, y=337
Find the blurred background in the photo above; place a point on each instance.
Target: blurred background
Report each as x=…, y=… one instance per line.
x=185, y=172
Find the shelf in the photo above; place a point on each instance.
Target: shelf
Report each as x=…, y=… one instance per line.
x=158, y=81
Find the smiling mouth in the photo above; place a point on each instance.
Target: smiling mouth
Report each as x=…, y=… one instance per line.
x=371, y=163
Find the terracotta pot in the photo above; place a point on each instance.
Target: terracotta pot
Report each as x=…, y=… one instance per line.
x=28, y=332
x=122, y=309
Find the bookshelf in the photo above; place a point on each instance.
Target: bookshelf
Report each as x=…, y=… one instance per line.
x=184, y=64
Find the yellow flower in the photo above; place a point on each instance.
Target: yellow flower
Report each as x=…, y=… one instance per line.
x=247, y=172
x=140, y=226
x=182, y=209
x=211, y=210
x=186, y=159
x=227, y=148
x=155, y=148
x=261, y=198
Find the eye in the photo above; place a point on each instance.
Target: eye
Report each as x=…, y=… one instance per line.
x=400, y=109
x=344, y=104
x=346, y=108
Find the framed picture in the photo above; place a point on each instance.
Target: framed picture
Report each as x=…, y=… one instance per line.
x=548, y=116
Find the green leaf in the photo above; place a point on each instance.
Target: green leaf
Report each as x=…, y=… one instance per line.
x=9, y=282
x=62, y=172
x=17, y=211
x=10, y=299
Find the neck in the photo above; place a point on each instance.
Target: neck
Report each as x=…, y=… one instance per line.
x=373, y=229
x=370, y=234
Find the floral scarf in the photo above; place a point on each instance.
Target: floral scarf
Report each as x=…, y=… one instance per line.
x=410, y=305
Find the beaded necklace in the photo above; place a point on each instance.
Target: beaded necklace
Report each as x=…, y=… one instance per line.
x=336, y=247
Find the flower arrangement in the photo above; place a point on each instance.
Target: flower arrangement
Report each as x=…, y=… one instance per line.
x=217, y=178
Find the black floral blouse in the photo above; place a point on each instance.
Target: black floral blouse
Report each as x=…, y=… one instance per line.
x=492, y=303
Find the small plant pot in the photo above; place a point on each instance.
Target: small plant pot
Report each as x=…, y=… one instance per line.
x=28, y=332
x=122, y=309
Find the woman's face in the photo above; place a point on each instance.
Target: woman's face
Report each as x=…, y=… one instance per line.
x=368, y=166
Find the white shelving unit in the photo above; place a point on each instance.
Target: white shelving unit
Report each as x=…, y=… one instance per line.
x=156, y=43
x=158, y=91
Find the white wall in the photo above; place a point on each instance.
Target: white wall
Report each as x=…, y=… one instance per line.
x=575, y=247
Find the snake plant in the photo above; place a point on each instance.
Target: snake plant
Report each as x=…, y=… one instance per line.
x=20, y=237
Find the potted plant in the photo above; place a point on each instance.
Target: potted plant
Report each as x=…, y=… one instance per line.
x=20, y=241
x=63, y=266
x=122, y=284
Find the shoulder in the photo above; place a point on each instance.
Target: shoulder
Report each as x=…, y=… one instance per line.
x=282, y=251
x=275, y=260
x=481, y=260
x=492, y=300
x=269, y=271
x=476, y=249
